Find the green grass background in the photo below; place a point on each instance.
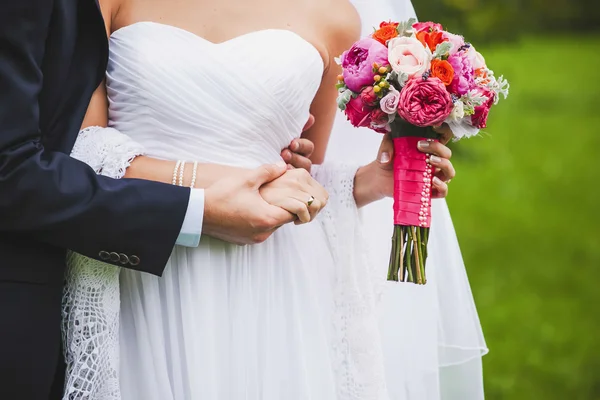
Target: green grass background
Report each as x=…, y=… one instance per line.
x=524, y=204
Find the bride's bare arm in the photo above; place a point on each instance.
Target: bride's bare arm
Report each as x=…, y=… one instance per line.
x=143, y=167
x=344, y=28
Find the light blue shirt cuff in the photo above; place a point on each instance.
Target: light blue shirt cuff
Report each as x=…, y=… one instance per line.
x=191, y=230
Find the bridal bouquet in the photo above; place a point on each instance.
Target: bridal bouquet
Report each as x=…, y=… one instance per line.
x=405, y=79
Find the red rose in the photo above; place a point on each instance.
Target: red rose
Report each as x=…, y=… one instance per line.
x=379, y=121
x=389, y=23
x=368, y=96
x=358, y=113
x=479, y=118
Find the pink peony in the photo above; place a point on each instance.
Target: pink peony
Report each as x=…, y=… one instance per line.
x=457, y=42
x=408, y=55
x=464, y=78
x=427, y=26
x=389, y=102
x=358, y=113
x=358, y=63
x=368, y=96
x=425, y=102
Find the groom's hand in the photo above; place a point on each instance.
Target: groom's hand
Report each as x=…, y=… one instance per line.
x=234, y=210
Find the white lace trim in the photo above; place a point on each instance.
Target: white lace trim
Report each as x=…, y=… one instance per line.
x=357, y=350
x=90, y=325
x=106, y=150
x=91, y=298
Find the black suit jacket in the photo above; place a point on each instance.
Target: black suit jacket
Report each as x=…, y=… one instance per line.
x=53, y=55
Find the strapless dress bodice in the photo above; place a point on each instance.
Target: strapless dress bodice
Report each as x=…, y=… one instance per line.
x=239, y=102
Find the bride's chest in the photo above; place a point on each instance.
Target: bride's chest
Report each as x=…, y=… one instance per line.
x=267, y=65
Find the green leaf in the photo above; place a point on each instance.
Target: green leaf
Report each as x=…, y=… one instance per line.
x=442, y=49
x=400, y=79
x=405, y=28
x=343, y=99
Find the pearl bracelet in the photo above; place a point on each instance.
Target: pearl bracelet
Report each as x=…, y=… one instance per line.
x=177, y=165
x=181, y=173
x=194, y=174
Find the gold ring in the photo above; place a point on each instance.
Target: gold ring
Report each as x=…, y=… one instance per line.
x=311, y=199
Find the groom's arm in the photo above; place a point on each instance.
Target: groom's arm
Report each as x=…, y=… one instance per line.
x=48, y=196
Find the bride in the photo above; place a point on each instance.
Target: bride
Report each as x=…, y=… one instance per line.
x=295, y=317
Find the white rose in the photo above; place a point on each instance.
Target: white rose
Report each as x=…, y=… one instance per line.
x=479, y=61
x=475, y=58
x=389, y=102
x=408, y=55
x=458, y=112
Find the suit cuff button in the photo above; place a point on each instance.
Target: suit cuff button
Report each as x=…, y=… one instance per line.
x=134, y=261
x=104, y=255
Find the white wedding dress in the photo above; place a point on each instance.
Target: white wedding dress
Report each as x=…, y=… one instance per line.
x=298, y=317
x=292, y=318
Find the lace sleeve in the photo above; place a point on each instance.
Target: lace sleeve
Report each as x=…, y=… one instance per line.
x=357, y=288
x=108, y=151
x=91, y=299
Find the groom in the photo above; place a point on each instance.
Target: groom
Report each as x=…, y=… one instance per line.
x=53, y=55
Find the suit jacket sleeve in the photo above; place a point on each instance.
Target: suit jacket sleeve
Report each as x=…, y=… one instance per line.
x=50, y=197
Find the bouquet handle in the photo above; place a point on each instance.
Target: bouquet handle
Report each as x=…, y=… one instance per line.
x=413, y=176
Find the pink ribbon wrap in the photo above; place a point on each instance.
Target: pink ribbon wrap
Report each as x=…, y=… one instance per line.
x=412, y=183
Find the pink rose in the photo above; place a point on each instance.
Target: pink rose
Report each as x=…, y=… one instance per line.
x=357, y=63
x=358, y=113
x=379, y=121
x=368, y=96
x=389, y=102
x=427, y=26
x=457, y=42
x=408, y=55
x=425, y=102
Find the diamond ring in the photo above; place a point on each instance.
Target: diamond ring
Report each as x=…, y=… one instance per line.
x=311, y=199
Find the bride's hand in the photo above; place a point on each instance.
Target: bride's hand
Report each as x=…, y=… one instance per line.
x=293, y=192
x=298, y=153
x=440, y=159
x=376, y=180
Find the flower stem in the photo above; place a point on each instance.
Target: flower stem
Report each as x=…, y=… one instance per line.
x=417, y=241
x=425, y=239
x=408, y=258
x=400, y=257
x=398, y=252
x=392, y=273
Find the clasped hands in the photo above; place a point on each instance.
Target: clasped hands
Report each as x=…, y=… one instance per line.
x=247, y=207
